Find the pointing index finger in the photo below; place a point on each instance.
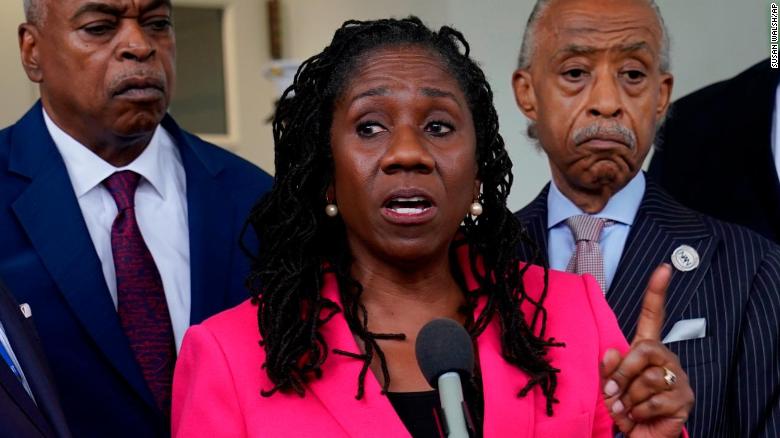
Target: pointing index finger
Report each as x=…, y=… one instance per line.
x=651, y=317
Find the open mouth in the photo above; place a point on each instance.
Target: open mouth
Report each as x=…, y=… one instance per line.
x=408, y=205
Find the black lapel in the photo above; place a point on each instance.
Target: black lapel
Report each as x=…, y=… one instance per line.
x=661, y=226
x=533, y=217
x=25, y=348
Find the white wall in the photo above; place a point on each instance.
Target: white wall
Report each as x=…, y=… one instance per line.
x=711, y=40
x=16, y=92
x=308, y=25
x=714, y=39
x=494, y=34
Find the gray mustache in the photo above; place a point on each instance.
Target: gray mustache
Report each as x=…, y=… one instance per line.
x=611, y=131
x=155, y=77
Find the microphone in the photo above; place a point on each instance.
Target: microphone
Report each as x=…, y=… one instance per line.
x=445, y=355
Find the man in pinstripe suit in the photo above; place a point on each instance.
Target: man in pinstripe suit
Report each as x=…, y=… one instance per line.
x=594, y=80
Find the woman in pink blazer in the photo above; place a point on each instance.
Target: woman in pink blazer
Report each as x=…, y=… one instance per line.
x=389, y=210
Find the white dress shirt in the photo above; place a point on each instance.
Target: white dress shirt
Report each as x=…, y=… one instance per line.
x=160, y=208
x=7, y=345
x=621, y=208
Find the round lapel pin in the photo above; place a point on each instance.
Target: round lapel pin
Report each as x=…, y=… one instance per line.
x=685, y=258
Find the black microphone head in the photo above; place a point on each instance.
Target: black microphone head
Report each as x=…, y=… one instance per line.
x=443, y=346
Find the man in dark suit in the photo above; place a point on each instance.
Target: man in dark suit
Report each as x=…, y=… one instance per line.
x=29, y=405
x=717, y=152
x=593, y=79
x=119, y=228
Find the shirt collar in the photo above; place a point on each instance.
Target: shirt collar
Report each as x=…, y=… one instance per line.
x=621, y=207
x=87, y=170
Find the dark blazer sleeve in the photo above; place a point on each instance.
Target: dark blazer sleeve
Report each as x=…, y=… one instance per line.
x=757, y=381
x=713, y=154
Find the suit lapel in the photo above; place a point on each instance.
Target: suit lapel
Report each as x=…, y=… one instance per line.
x=506, y=414
x=26, y=345
x=20, y=343
x=661, y=226
x=16, y=392
x=337, y=391
x=211, y=216
x=534, y=220
x=50, y=215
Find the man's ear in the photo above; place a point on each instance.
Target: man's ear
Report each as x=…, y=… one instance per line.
x=665, y=94
x=28, y=48
x=524, y=93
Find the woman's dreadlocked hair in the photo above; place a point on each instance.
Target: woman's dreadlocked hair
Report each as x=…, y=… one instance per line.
x=299, y=243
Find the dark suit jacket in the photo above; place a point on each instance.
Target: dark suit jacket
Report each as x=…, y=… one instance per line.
x=714, y=152
x=21, y=416
x=734, y=370
x=48, y=260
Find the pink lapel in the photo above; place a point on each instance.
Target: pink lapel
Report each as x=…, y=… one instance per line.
x=505, y=413
x=371, y=416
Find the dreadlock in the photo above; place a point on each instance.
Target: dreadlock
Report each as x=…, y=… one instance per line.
x=299, y=243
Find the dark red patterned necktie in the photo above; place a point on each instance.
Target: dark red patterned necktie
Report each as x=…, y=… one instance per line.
x=142, y=309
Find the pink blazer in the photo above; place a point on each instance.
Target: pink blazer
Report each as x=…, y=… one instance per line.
x=218, y=378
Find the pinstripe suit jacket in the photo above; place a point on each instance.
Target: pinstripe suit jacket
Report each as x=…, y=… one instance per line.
x=735, y=369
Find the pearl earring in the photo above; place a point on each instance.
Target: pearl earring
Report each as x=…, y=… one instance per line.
x=475, y=208
x=331, y=210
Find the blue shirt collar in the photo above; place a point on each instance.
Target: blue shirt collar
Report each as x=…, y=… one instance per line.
x=621, y=207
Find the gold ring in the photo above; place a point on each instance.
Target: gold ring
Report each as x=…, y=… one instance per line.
x=669, y=377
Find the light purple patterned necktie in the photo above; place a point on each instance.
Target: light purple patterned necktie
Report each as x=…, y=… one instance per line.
x=587, y=258
x=141, y=305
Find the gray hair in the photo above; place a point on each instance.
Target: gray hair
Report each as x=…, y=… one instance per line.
x=34, y=11
x=529, y=44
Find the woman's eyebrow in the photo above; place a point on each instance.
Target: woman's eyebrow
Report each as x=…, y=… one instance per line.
x=439, y=93
x=378, y=91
